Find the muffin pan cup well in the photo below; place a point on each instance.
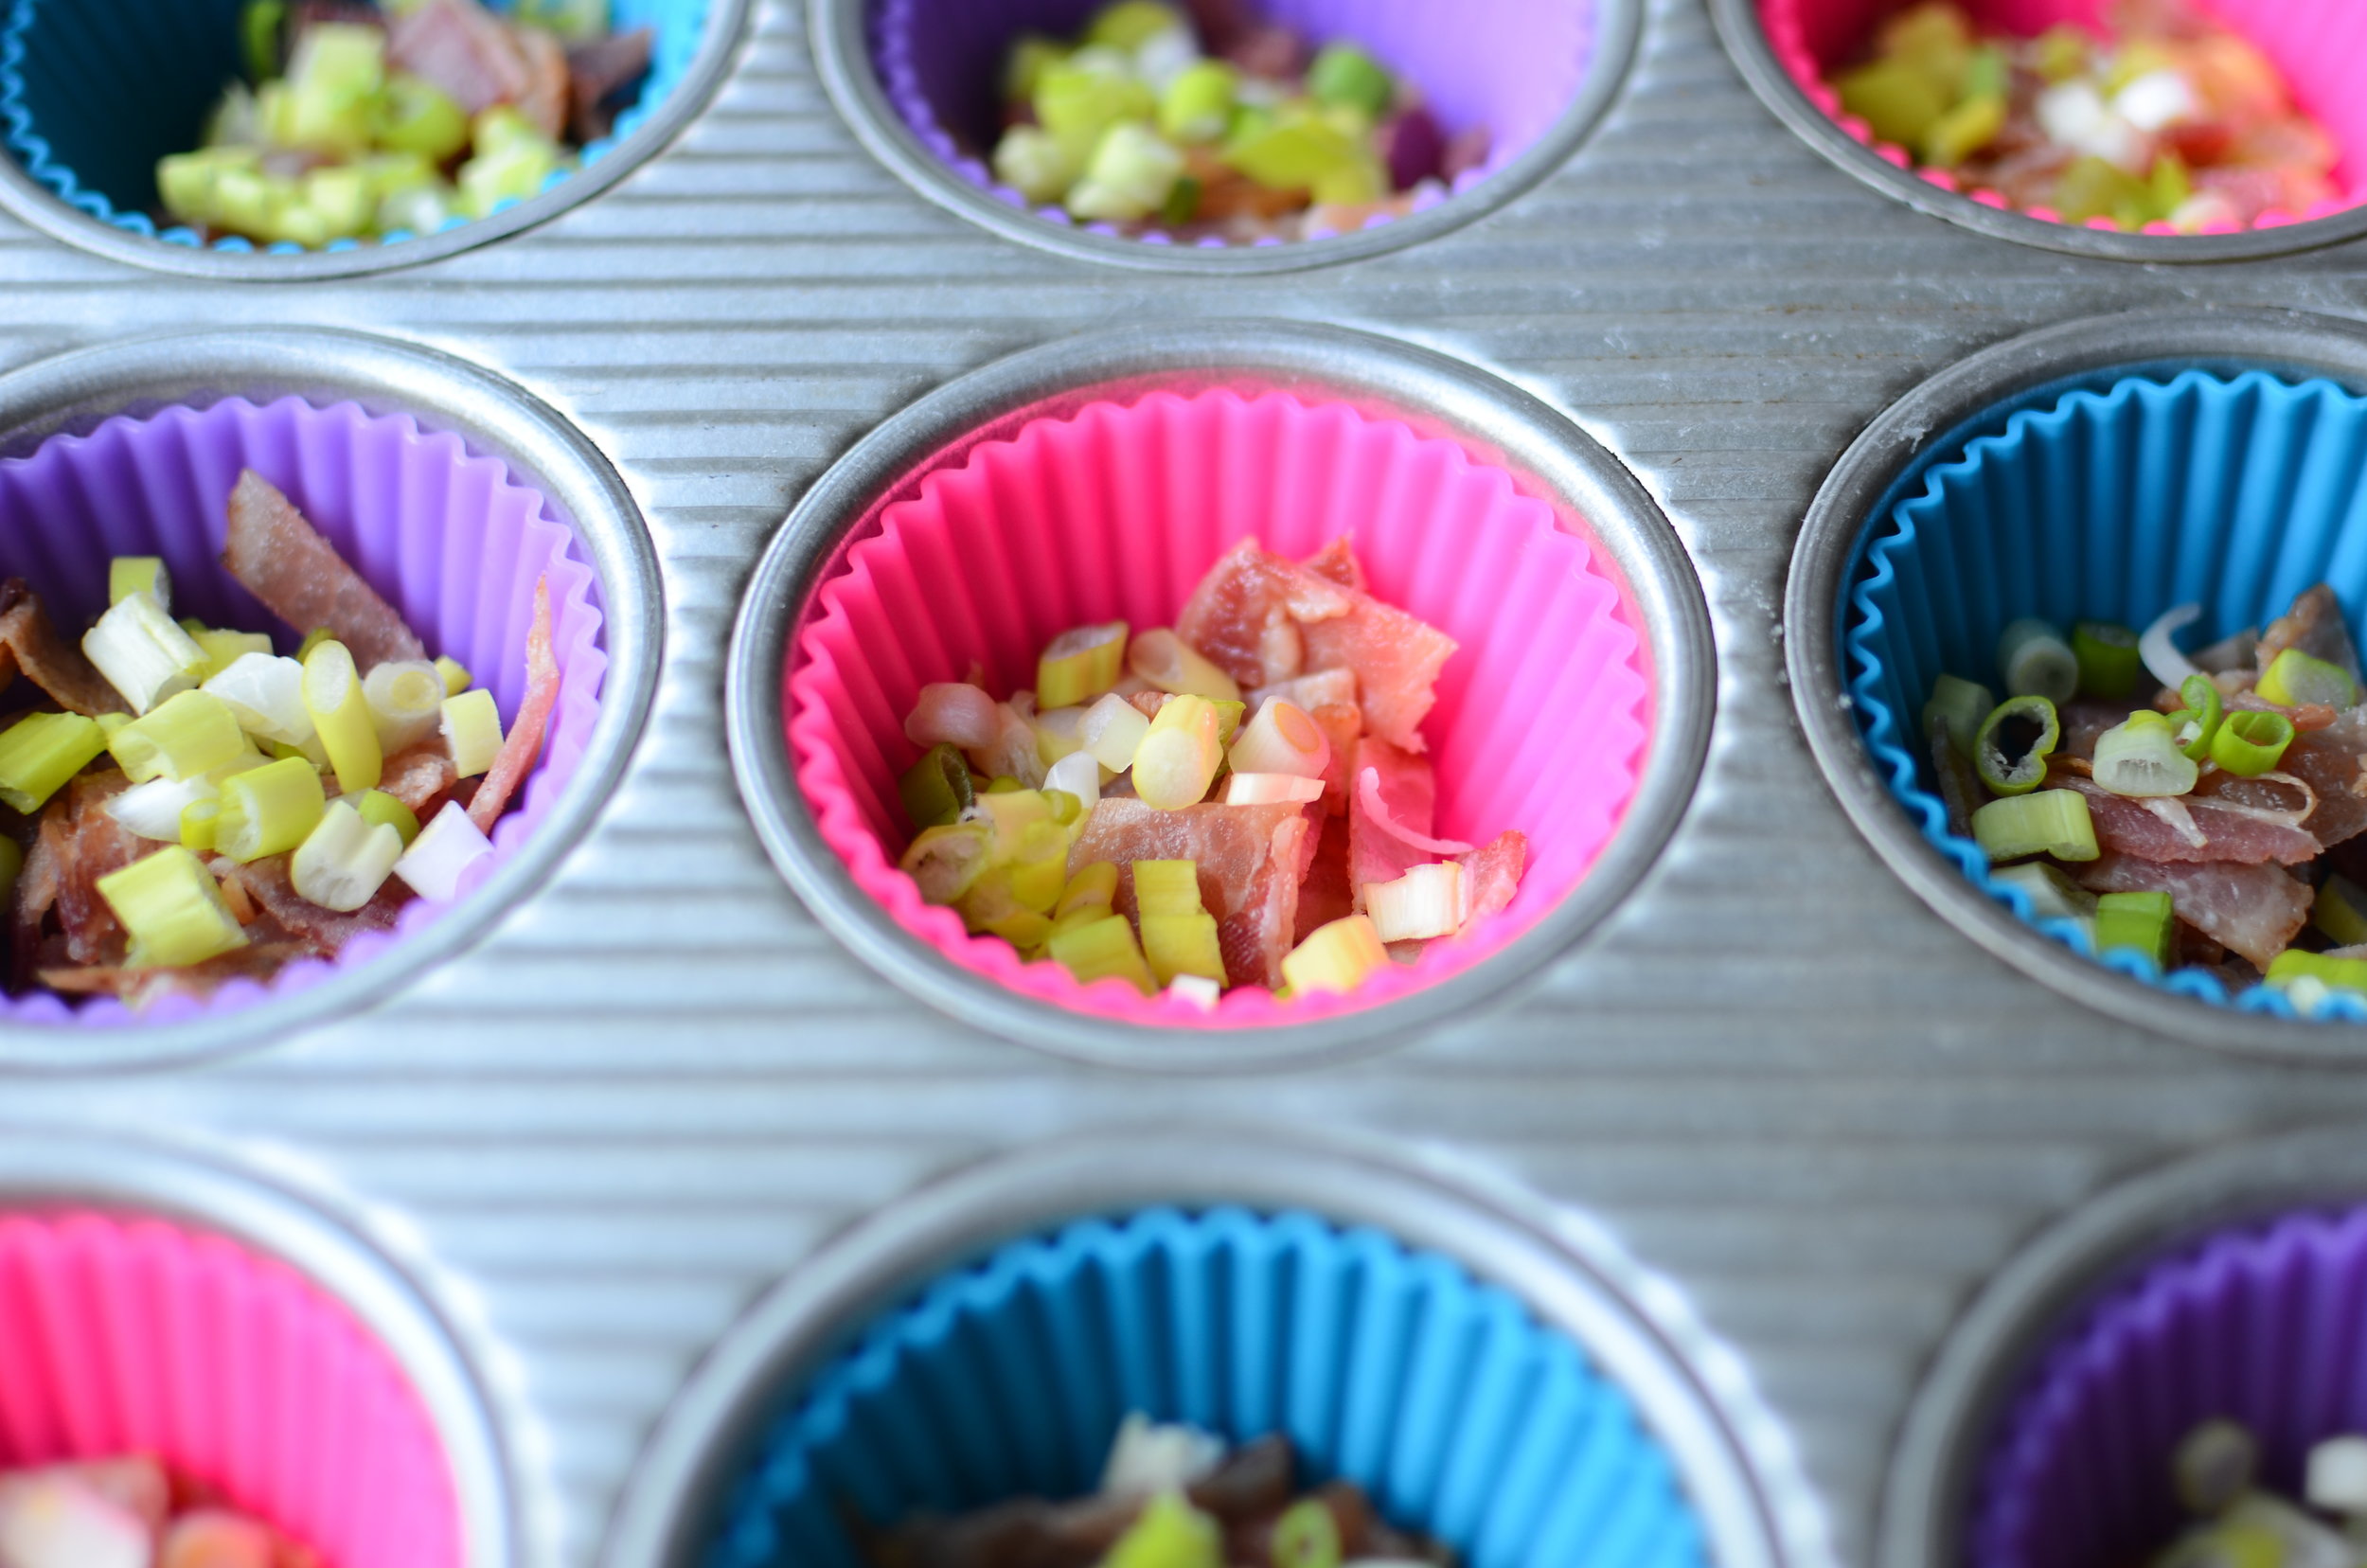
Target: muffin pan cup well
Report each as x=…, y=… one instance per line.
x=338, y=436
x=898, y=70
x=155, y=68
x=1732, y=1465
x=1743, y=25
x=152, y=1301
x=2215, y=1285
x=1544, y=455
x=1974, y=396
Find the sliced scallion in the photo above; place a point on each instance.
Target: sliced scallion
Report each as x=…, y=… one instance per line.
x=1093, y=886
x=2035, y=661
x=2341, y=911
x=270, y=810
x=1111, y=730
x=2010, y=750
x=267, y=695
x=345, y=860
x=456, y=675
x=1076, y=777
x=2197, y=724
x=1168, y=662
x=41, y=751
x=340, y=716
x=181, y=737
x=2108, y=662
x=129, y=574
x=2249, y=743
x=1306, y=1536
x=2053, y=895
x=1166, y=887
x=200, y=821
x=935, y=789
x=173, y=909
x=378, y=807
x=1080, y=664
x=1335, y=957
x=1101, y=949
x=2140, y=922
x=1958, y=704
x=945, y=862
x=473, y=729
x=1179, y=755
x=1426, y=901
x=406, y=698
x=143, y=654
x=2157, y=646
x=442, y=853
x=2293, y=678
x=224, y=649
x=2141, y=757
x=1182, y=944
x=2294, y=965
x=2051, y=822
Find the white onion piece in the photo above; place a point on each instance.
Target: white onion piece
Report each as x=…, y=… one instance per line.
x=266, y=692
x=1079, y=774
x=1426, y=901
x=444, y=849
x=1282, y=740
x=1112, y=729
x=1270, y=789
x=152, y=810
x=1198, y=990
x=1150, y=1456
x=57, y=1521
x=2159, y=649
x=952, y=711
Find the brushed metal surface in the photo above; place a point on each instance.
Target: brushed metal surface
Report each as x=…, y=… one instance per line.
x=1551, y=458
x=1783, y=1083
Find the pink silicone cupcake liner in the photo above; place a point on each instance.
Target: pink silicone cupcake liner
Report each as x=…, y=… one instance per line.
x=135, y=1337
x=1116, y=510
x=1511, y=65
x=450, y=538
x=2320, y=45
x=2263, y=1323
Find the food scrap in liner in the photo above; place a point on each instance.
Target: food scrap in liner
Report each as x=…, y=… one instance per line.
x=131, y=1513
x=1241, y=799
x=1171, y=1497
x=188, y=806
x=1215, y=126
x=2240, y=1521
x=360, y=120
x=2166, y=118
x=2204, y=814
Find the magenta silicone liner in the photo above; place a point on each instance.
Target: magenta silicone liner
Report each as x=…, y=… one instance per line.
x=1511, y=65
x=1116, y=508
x=2319, y=45
x=2263, y=1322
x=450, y=537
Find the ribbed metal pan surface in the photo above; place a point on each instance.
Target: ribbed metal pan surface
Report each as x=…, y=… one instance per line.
x=1784, y=1085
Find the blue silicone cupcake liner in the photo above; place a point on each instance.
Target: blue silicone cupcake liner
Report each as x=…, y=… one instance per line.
x=1440, y=1395
x=2113, y=502
x=94, y=92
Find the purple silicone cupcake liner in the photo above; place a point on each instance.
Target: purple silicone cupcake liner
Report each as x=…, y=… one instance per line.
x=2263, y=1323
x=448, y=536
x=1511, y=65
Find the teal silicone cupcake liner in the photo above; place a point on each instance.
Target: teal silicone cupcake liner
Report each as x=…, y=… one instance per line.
x=1440, y=1395
x=2114, y=500
x=94, y=92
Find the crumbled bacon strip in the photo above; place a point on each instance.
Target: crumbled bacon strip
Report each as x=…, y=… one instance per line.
x=523, y=743
x=462, y=49
x=419, y=776
x=601, y=70
x=30, y=647
x=544, y=103
x=284, y=561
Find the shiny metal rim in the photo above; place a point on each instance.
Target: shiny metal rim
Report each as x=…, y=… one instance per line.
x=1733, y=1460
x=2040, y=365
x=37, y=205
x=842, y=54
x=1944, y=1442
x=1745, y=41
x=41, y=1168
x=76, y=391
x=1523, y=433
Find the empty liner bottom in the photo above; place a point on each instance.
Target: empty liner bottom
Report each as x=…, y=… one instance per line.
x=1392, y=1369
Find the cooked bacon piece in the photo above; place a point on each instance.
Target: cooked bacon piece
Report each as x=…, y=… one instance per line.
x=320, y=931
x=2332, y=761
x=142, y=987
x=91, y=844
x=2133, y=827
x=599, y=73
x=1337, y=563
x=544, y=103
x=1960, y=787
x=523, y=742
x=1246, y=615
x=1409, y=795
x=1249, y=860
x=30, y=647
x=2086, y=719
x=1326, y=895
x=135, y=1485
x=300, y=576
x=2315, y=626
x=36, y=895
x=220, y=1537
x=2305, y=716
x=1342, y=724
x=1492, y=875
x=1397, y=658
x=463, y=49
x=2256, y=910
x=418, y=774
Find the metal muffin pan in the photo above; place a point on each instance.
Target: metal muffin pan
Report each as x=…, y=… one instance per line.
x=655, y=1085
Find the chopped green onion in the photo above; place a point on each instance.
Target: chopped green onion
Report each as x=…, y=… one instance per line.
x=2341, y=911
x=1306, y=1536
x=947, y=861
x=173, y=909
x=1198, y=105
x=456, y=675
x=1182, y=204
x=2249, y=743
x=312, y=639
x=1198, y=990
x=143, y=654
x=935, y=789
x=1166, y=887
x=2141, y=757
x=2141, y=922
x=378, y=807
x=1004, y=784
x=266, y=693
x=1028, y=58
x=1169, y=1533
x=2012, y=723
x=2036, y=662
x=2294, y=678
x=2293, y=965
x=415, y=116
x=2051, y=822
x=224, y=649
x=2198, y=722
x=1093, y=886
x=2107, y=651
x=1100, y=950
x=183, y=736
x=473, y=729
x=406, y=698
x=1182, y=944
x=1082, y=96
x=1037, y=164
x=1335, y=957
x=1130, y=175
x=1163, y=660
x=442, y=854
x=1178, y=757
x=511, y=163
x=343, y=861
x=156, y=810
x=1112, y=730
x=1076, y=777
x=1067, y=806
x=1960, y=706
x=270, y=810
x=41, y=751
x=1343, y=74
x=2053, y=895
x=259, y=23
x=1426, y=901
x=1229, y=714
x=129, y=574
x=1296, y=148
x=200, y=821
x=340, y=716
x=1080, y=664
